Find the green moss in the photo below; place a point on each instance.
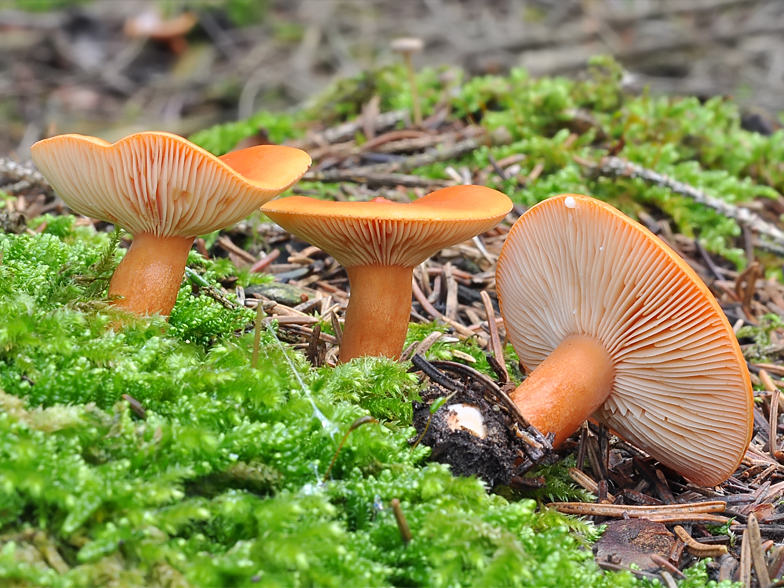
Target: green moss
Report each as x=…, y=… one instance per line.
x=222, y=138
x=698, y=143
x=560, y=486
x=760, y=335
x=221, y=482
x=380, y=386
x=40, y=5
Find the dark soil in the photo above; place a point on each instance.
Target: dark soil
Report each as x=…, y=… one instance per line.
x=502, y=456
x=495, y=458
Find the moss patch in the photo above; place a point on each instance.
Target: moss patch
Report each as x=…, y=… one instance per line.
x=221, y=482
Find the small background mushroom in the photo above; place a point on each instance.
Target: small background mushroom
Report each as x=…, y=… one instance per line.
x=407, y=46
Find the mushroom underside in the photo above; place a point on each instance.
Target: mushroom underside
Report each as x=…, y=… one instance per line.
x=574, y=266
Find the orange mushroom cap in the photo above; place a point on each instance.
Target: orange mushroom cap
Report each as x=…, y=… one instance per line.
x=573, y=265
x=381, y=232
x=162, y=184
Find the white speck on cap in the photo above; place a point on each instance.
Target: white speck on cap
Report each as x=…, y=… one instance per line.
x=569, y=202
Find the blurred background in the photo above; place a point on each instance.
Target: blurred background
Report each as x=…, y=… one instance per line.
x=112, y=67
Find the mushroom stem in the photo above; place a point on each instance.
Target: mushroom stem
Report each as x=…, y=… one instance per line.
x=414, y=91
x=567, y=387
x=378, y=311
x=149, y=276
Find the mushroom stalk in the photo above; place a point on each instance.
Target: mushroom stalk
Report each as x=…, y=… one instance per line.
x=414, y=91
x=149, y=276
x=378, y=311
x=567, y=387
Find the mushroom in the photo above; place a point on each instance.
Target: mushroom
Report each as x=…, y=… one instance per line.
x=165, y=191
x=619, y=328
x=379, y=243
x=151, y=25
x=407, y=46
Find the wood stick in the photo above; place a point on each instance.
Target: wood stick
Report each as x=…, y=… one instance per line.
x=745, y=560
x=495, y=342
x=619, y=167
x=587, y=482
x=617, y=510
x=451, y=292
x=752, y=535
x=293, y=320
x=667, y=565
x=671, y=519
x=698, y=549
x=431, y=310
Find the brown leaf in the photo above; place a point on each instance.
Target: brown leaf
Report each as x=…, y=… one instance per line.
x=634, y=541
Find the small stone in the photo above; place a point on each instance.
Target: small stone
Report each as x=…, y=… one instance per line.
x=281, y=293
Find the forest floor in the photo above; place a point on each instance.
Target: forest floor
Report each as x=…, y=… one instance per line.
x=76, y=70
x=704, y=175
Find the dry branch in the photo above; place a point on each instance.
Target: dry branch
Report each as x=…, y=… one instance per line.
x=358, y=176
x=618, y=167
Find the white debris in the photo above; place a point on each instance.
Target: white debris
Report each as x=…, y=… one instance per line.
x=466, y=417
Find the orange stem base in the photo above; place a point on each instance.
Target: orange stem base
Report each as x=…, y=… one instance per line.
x=567, y=387
x=378, y=311
x=149, y=276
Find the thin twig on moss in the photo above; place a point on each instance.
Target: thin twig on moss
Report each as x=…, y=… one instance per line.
x=619, y=167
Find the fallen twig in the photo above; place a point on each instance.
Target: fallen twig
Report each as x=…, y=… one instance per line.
x=346, y=131
x=431, y=310
x=618, y=510
x=689, y=518
x=500, y=136
x=618, y=167
x=587, y=482
x=757, y=552
x=495, y=342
